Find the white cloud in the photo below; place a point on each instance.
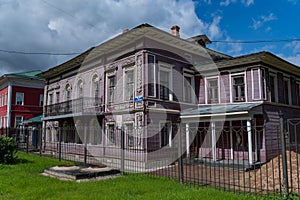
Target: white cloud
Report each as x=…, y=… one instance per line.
x=75, y=25
x=261, y=20
x=228, y=2
x=293, y=59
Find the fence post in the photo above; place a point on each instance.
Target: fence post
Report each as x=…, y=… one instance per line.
x=283, y=151
x=122, y=151
x=85, y=145
x=59, y=144
x=27, y=139
x=180, y=160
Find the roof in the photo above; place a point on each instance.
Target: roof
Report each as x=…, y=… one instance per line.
x=37, y=119
x=260, y=57
x=221, y=109
x=26, y=75
x=119, y=43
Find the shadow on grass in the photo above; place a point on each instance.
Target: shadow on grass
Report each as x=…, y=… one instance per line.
x=21, y=161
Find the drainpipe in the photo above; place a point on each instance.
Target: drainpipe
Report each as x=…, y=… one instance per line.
x=9, y=104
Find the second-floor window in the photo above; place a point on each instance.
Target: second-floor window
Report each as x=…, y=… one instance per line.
x=238, y=88
x=187, y=85
x=80, y=89
x=111, y=89
x=272, y=88
x=212, y=90
x=57, y=97
x=68, y=92
x=19, y=98
x=129, y=84
x=165, y=84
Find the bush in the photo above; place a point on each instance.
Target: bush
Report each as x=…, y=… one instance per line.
x=8, y=150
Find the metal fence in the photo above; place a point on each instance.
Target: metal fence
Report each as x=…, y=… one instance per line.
x=273, y=170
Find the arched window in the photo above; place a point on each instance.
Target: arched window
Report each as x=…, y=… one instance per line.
x=68, y=91
x=95, y=90
x=80, y=89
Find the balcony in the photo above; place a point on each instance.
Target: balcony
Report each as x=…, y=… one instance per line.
x=81, y=105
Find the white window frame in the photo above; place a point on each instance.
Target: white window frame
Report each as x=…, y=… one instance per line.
x=21, y=119
x=274, y=75
x=207, y=79
x=125, y=89
x=108, y=76
x=259, y=74
x=22, y=97
x=154, y=76
x=134, y=134
x=68, y=91
x=80, y=88
x=165, y=67
x=186, y=74
x=231, y=85
x=161, y=124
x=107, y=142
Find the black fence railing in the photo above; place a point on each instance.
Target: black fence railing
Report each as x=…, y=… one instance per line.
x=240, y=159
x=84, y=104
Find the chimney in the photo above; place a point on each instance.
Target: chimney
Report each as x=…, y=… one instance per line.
x=175, y=30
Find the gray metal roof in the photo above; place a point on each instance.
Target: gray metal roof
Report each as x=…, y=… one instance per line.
x=219, y=109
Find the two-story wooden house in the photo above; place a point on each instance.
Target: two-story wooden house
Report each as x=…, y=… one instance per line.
x=21, y=98
x=147, y=84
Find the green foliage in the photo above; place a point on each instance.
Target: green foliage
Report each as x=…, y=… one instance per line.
x=8, y=150
x=26, y=176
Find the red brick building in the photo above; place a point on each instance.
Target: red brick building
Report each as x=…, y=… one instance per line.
x=21, y=97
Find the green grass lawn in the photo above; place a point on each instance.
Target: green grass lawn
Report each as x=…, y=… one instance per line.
x=24, y=181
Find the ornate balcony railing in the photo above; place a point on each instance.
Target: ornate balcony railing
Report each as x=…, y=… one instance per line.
x=80, y=105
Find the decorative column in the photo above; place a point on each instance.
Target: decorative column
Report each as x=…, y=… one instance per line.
x=187, y=136
x=213, y=141
x=231, y=141
x=249, y=131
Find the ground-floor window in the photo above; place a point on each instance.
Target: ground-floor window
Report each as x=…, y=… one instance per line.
x=165, y=134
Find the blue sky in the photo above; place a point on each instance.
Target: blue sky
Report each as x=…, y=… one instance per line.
x=73, y=26
x=255, y=20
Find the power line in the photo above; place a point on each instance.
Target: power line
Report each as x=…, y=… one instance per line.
x=38, y=53
x=256, y=41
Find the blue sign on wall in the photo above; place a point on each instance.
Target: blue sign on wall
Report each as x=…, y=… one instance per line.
x=138, y=99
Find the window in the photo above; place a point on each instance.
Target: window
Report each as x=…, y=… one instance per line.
x=212, y=91
x=0, y=122
x=80, y=89
x=18, y=120
x=272, y=88
x=5, y=121
x=286, y=91
x=130, y=136
x=50, y=99
x=57, y=97
x=166, y=134
x=19, y=98
x=111, y=89
x=165, y=84
x=238, y=88
x=95, y=87
x=68, y=92
x=111, y=135
x=187, y=86
x=41, y=100
x=129, y=84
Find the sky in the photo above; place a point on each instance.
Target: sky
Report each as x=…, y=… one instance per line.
x=40, y=34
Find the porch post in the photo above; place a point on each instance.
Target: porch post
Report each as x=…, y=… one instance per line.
x=213, y=141
x=250, y=156
x=187, y=137
x=231, y=140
